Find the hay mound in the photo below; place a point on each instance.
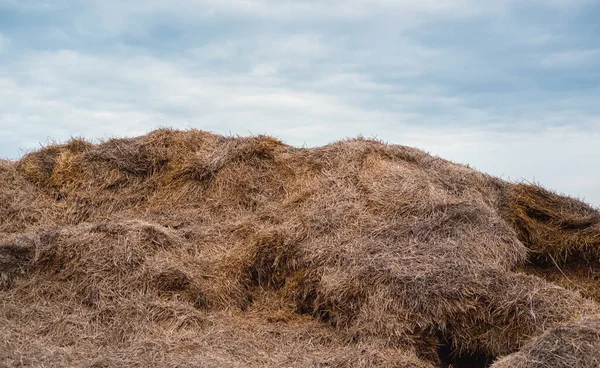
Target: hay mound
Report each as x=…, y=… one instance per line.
x=186, y=248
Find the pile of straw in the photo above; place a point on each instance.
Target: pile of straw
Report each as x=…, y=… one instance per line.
x=186, y=249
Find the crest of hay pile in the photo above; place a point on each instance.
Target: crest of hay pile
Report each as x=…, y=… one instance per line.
x=188, y=249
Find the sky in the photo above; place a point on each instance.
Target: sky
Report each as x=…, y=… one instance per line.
x=510, y=87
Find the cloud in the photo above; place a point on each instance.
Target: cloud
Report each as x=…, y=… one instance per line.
x=320, y=9
x=3, y=43
x=572, y=59
x=295, y=10
x=111, y=18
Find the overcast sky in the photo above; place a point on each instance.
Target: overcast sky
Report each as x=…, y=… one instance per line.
x=511, y=87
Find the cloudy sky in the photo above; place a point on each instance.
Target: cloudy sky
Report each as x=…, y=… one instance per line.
x=511, y=87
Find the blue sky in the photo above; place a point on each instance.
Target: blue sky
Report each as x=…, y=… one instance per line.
x=509, y=87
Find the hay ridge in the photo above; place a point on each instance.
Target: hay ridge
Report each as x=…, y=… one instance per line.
x=187, y=248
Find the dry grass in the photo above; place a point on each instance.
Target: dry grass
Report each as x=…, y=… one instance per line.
x=185, y=248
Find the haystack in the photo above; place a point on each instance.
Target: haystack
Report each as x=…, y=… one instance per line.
x=186, y=248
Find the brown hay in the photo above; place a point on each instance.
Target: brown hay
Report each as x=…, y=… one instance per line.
x=185, y=248
x=553, y=225
x=572, y=345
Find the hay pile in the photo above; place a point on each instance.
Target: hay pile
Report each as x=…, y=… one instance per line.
x=186, y=249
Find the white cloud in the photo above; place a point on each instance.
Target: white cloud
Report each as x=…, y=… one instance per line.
x=115, y=16
x=333, y=9
x=572, y=59
x=4, y=41
x=285, y=50
x=325, y=9
x=223, y=50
